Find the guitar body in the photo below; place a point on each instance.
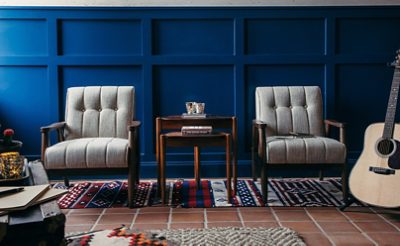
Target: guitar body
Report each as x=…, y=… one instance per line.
x=375, y=178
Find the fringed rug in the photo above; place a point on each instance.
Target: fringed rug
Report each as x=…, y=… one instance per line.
x=210, y=237
x=282, y=192
x=232, y=236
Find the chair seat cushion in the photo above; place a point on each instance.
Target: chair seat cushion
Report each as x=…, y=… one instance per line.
x=88, y=153
x=304, y=150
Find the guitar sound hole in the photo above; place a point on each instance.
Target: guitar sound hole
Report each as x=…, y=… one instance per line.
x=385, y=147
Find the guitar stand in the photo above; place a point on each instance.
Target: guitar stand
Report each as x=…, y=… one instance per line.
x=350, y=200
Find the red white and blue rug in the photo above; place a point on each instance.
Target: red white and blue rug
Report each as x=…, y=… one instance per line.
x=304, y=192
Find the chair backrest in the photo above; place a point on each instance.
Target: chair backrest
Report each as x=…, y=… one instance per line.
x=290, y=109
x=99, y=111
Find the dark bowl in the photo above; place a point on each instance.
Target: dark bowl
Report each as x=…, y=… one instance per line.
x=14, y=146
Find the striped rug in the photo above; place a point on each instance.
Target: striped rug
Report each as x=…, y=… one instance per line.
x=182, y=193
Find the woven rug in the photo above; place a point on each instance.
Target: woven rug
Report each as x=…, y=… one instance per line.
x=210, y=237
x=282, y=192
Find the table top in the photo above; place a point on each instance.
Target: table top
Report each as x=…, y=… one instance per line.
x=207, y=135
x=208, y=117
x=177, y=121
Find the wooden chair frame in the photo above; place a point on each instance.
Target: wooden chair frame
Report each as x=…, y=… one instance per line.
x=133, y=153
x=258, y=154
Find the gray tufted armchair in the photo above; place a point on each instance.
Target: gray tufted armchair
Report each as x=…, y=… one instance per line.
x=289, y=132
x=98, y=133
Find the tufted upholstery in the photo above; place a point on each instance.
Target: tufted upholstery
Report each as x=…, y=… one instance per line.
x=96, y=128
x=304, y=150
x=297, y=109
x=290, y=109
x=88, y=153
x=282, y=111
x=99, y=132
x=99, y=111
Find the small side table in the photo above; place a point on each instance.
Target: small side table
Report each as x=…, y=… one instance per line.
x=174, y=138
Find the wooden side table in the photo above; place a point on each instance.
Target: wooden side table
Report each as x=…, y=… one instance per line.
x=168, y=135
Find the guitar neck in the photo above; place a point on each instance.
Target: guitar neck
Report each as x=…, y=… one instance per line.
x=392, y=105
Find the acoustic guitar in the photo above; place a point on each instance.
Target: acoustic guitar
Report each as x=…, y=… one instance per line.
x=375, y=178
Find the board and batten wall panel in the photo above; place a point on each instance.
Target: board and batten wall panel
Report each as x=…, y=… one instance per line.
x=285, y=36
x=367, y=36
x=100, y=37
x=214, y=55
x=193, y=37
x=20, y=37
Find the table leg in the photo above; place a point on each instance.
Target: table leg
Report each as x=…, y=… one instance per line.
x=234, y=172
x=158, y=173
x=197, y=166
x=161, y=183
x=234, y=151
x=228, y=166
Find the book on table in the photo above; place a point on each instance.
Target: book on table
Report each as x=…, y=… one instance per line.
x=194, y=116
x=27, y=196
x=196, y=130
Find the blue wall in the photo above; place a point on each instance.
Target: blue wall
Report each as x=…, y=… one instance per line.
x=214, y=55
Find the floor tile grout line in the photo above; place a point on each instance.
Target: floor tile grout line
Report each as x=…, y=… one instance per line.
x=134, y=218
x=276, y=217
x=147, y=212
x=205, y=218
x=320, y=227
x=359, y=228
x=98, y=219
x=240, y=216
x=385, y=219
x=169, y=219
x=287, y=211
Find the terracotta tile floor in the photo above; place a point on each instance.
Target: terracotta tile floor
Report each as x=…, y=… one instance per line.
x=318, y=226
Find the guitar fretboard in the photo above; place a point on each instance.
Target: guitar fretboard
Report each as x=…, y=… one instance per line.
x=392, y=104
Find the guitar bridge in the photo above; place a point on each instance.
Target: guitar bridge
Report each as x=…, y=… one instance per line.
x=382, y=170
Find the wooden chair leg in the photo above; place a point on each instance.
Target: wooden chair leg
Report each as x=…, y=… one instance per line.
x=228, y=167
x=133, y=174
x=264, y=183
x=253, y=164
x=131, y=183
x=66, y=181
x=345, y=189
x=253, y=155
x=321, y=174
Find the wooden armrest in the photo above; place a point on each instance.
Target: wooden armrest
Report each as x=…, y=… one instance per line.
x=59, y=126
x=259, y=124
x=54, y=126
x=335, y=123
x=340, y=125
x=134, y=125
